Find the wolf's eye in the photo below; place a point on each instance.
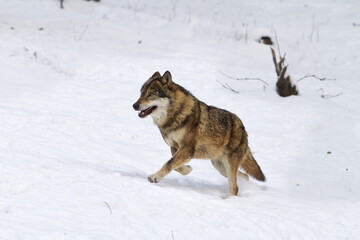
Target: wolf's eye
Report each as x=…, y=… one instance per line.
x=152, y=94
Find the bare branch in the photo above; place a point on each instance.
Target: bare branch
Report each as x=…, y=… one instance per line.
x=278, y=45
x=327, y=96
x=314, y=76
x=108, y=207
x=62, y=4
x=83, y=33
x=244, y=79
x=322, y=91
x=227, y=87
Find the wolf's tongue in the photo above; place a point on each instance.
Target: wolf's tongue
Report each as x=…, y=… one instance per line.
x=142, y=113
x=146, y=112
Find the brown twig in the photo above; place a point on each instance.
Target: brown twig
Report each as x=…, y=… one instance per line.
x=277, y=68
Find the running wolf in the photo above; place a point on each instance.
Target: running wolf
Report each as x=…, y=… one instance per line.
x=193, y=129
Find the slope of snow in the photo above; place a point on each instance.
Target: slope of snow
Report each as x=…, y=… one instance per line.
x=75, y=156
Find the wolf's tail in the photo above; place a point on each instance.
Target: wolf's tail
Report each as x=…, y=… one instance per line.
x=251, y=167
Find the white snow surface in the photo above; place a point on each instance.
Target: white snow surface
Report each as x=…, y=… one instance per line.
x=74, y=156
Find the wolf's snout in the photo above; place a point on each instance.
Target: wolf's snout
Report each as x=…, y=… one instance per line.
x=136, y=106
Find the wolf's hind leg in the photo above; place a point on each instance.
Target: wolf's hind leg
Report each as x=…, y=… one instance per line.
x=219, y=165
x=232, y=170
x=221, y=168
x=228, y=167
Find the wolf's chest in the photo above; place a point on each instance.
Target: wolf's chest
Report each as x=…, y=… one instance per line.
x=174, y=138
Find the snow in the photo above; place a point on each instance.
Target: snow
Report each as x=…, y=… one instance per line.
x=74, y=156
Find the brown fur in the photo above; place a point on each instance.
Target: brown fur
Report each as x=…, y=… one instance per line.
x=195, y=130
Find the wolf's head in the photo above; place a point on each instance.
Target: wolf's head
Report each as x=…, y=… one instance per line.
x=155, y=96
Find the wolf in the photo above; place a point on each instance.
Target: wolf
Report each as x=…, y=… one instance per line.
x=195, y=130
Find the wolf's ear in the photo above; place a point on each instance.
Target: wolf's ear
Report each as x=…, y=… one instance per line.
x=156, y=75
x=166, y=78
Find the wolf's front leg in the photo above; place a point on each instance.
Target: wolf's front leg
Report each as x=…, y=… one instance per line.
x=181, y=157
x=184, y=169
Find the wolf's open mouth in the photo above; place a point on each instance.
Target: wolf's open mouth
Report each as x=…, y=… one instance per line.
x=147, y=111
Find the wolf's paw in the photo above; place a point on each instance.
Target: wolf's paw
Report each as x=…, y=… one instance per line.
x=184, y=170
x=154, y=178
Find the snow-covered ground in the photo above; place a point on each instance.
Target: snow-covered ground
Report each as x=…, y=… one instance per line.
x=74, y=156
